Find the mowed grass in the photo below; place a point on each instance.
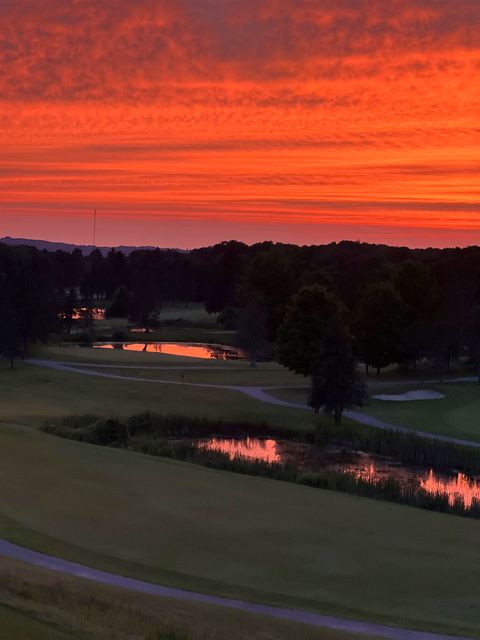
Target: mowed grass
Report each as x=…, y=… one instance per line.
x=262, y=376
x=194, y=314
x=455, y=415
x=242, y=536
x=40, y=604
x=32, y=393
x=154, y=366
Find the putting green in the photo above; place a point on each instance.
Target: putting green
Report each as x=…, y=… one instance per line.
x=455, y=415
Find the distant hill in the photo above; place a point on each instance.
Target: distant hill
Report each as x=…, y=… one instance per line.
x=64, y=246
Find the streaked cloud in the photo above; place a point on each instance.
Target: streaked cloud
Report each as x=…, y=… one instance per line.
x=349, y=113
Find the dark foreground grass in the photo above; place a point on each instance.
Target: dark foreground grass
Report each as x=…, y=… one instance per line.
x=235, y=535
x=38, y=604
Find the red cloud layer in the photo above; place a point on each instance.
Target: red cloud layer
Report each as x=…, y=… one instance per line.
x=354, y=112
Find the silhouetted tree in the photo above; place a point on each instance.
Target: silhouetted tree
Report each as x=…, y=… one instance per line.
x=379, y=325
x=68, y=304
x=302, y=331
x=269, y=280
x=418, y=290
x=472, y=330
x=251, y=333
x=121, y=304
x=10, y=334
x=336, y=383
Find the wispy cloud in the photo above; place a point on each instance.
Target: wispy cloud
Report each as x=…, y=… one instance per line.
x=242, y=112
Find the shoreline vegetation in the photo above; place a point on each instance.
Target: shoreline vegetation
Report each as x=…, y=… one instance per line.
x=161, y=435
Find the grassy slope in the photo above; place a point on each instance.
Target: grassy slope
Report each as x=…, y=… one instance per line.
x=263, y=376
x=260, y=539
x=22, y=626
x=41, y=604
x=30, y=394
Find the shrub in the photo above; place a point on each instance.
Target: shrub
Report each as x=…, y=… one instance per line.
x=108, y=432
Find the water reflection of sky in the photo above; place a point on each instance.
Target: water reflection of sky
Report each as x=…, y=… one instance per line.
x=190, y=350
x=456, y=486
x=81, y=312
x=250, y=448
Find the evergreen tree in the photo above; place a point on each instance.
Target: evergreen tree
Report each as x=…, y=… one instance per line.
x=121, y=304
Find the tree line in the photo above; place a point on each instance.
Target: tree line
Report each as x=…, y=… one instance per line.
x=318, y=309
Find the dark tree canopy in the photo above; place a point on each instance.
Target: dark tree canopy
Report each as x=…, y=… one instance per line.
x=121, y=304
x=379, y=325
x=417, y=315
x=302, y=330
x=251, y=333
x=10, y=334
x=336, y=383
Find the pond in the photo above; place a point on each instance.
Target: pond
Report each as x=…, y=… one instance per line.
x=82, y=313
x=374, y=469
x=188, y=349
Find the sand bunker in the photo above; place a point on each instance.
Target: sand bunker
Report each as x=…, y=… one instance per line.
x=419, y=394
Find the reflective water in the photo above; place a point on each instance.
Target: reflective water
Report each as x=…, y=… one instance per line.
x=457, y=486
x=189, y=349
x=266, y=450
x=80, y=312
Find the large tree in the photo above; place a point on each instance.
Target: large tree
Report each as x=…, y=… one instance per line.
x=121, y=304
x=10, y=332
x=336, y=383
x=301, y=333
x=472, y=331
x=379, y=326
x=269, y=280
x=251, y=335
x=418, y=290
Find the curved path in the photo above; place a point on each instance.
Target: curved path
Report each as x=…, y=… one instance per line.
x=258, y=393
x=304, y=617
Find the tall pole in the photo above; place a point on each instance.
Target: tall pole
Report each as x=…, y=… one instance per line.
x=94, y=227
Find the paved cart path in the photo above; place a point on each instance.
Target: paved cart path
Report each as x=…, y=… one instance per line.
x=258, y=393
x=295, y=615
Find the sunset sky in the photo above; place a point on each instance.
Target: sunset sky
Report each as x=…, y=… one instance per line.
x=187, y=122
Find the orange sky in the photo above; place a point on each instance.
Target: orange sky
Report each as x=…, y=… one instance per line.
x=188, y=122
